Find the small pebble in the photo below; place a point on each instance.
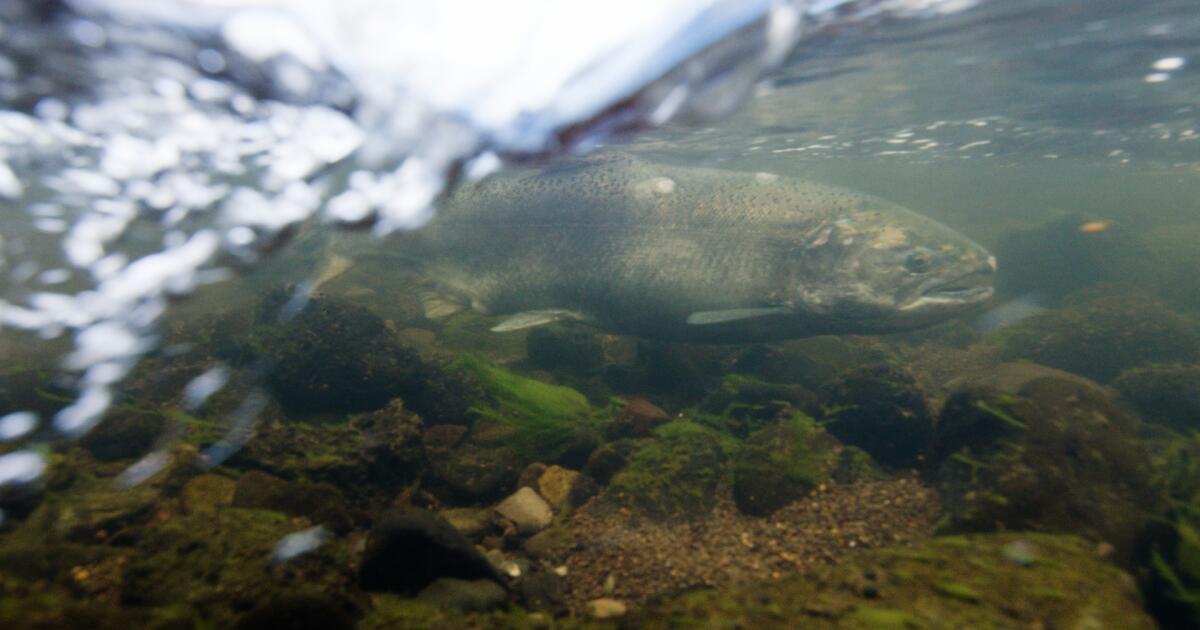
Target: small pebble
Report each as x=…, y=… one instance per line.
x=606, y=608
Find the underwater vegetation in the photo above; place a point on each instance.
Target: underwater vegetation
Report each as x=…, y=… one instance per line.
x=548, y=423
x=1056, y=456
x=503, y=495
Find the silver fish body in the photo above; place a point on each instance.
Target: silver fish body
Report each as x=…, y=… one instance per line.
x=695, y=254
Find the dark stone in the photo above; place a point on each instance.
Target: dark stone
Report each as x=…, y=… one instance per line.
x=584, y=488
x=529, y=477
x=335, y=356
x=124, y=434
x=322, y=503
x=545, y=591
x=883, y=411
x=606, y=460
x=409, y=548
x=297, y=612
x=464, y=595
x=472, y=473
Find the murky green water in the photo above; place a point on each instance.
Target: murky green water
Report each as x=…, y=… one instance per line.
x=1029, y=462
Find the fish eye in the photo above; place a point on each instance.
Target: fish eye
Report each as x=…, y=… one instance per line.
x=919, y=262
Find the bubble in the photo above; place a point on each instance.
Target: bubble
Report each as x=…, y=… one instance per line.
x=299, y=543
x=21, y=467
x=17, y=424
x=1167, y=64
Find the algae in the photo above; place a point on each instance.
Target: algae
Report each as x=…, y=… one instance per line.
x=551, y=423
x=675, y=476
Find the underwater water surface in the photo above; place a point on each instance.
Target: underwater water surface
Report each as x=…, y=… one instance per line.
x=946, y=278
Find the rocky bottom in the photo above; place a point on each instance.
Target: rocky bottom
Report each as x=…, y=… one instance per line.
x=637, y=560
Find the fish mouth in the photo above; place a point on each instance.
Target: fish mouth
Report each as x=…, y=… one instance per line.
x=967, y=289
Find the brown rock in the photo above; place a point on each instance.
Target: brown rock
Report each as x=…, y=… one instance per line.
x=555, y=485
x=638, y=418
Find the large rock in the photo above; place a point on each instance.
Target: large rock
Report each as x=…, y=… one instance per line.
x=782, y=464
x=322, y=503
x=409, y=548
x=527, y=510
x=673, y=477
x=1103, y=332
x=336, y=356
x=368, y=456
x=1164, y=394
x=883, y=411
x=1058, y=456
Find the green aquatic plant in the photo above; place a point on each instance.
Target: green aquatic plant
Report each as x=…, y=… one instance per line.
x=549, y=422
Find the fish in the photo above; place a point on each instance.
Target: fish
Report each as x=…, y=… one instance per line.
x=691, y=254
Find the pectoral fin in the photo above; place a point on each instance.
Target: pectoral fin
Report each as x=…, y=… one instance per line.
x=529, y=319
x=704, y=318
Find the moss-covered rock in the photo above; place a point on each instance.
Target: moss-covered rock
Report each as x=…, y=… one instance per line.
x=883, y=411
x=781, y=464
x=741, y=405
x=368, y=457
x=337, y=357
x=322, y=503
x=1058, y=456
x=1103, y=332
x=1164, y=394
x=675, y=476
x=953, y=582
x=221, y=564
